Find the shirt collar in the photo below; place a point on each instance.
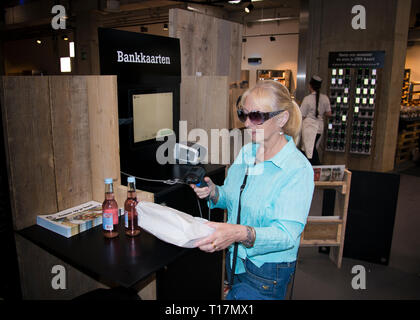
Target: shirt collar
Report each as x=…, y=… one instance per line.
x=279, y=159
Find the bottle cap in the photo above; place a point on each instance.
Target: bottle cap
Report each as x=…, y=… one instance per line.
x=131, y=179
x=108, y=180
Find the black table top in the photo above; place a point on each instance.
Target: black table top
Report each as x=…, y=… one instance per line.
x=122, y=261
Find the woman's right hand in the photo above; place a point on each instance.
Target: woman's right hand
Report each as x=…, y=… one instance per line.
x=204, y=192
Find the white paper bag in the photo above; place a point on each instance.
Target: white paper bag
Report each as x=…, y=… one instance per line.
x=171, y=225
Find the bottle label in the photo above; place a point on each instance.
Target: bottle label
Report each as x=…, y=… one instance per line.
x=107, y=221
x=113, y=213
x=126, y=218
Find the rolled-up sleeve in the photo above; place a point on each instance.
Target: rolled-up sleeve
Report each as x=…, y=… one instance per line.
x=286, y=216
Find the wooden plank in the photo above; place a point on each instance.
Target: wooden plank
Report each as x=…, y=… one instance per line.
x=103, y=132
x=29, y=148
x=236, y=53
x=71, y=140
x=341, y=208
x=319, y=243
x=320, y=231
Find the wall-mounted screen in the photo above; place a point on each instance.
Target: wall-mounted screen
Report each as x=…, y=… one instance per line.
x=152, y=112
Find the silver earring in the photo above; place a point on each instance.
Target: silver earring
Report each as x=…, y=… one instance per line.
x=281, y=133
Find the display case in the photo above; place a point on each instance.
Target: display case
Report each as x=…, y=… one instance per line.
x=353, y=98
x=283, y=76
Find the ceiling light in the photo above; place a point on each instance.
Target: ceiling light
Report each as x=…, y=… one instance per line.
x=38, y=41
x=65, y=64
x=71, y=49
x=249, y=7
x=234, y=1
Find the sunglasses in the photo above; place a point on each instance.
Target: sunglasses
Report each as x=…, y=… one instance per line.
x=256, y=117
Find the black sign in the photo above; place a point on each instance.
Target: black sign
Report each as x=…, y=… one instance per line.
x=138, y=58
x=356, y=59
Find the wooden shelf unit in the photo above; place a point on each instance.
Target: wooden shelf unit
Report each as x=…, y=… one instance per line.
x=328, y=231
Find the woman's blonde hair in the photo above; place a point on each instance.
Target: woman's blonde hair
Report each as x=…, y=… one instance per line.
x=271, y=95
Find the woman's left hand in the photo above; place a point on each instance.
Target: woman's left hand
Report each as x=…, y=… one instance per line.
x=224, y=235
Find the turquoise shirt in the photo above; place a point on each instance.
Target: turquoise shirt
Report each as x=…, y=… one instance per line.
x=276, y=202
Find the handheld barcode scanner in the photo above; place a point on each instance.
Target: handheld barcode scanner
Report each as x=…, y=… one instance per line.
x=188, y=155
x=187, y=169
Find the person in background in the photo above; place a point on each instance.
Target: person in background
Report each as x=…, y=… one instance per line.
x=270, y=185
x=314, y=107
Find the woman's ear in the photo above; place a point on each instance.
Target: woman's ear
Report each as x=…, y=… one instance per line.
x=282, y=119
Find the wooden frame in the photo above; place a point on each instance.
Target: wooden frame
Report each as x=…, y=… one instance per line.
x=330, y=231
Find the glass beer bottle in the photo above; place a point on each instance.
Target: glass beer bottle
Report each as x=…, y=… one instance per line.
x=109, y=211
x=130, y=213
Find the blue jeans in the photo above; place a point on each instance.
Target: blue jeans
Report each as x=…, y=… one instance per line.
x=268, y=282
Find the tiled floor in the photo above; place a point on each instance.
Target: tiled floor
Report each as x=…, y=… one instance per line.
x=318, y=278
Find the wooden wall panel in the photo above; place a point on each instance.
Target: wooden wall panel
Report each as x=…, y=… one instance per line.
x=29, y=148
x=61, y=137
x=209, y=45
x=70, y=127
x=205, y=102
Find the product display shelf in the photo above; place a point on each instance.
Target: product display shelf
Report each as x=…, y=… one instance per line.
x=330, y=230
x=408, y=140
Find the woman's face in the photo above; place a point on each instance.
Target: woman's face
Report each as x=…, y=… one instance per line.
x=269, y=127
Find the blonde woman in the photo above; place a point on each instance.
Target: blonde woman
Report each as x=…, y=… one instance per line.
x=270, y=186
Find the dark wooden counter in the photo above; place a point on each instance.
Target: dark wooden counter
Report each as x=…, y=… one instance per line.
x=120, y=261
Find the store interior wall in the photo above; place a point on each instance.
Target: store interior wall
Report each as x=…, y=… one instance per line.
x=280, y=54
